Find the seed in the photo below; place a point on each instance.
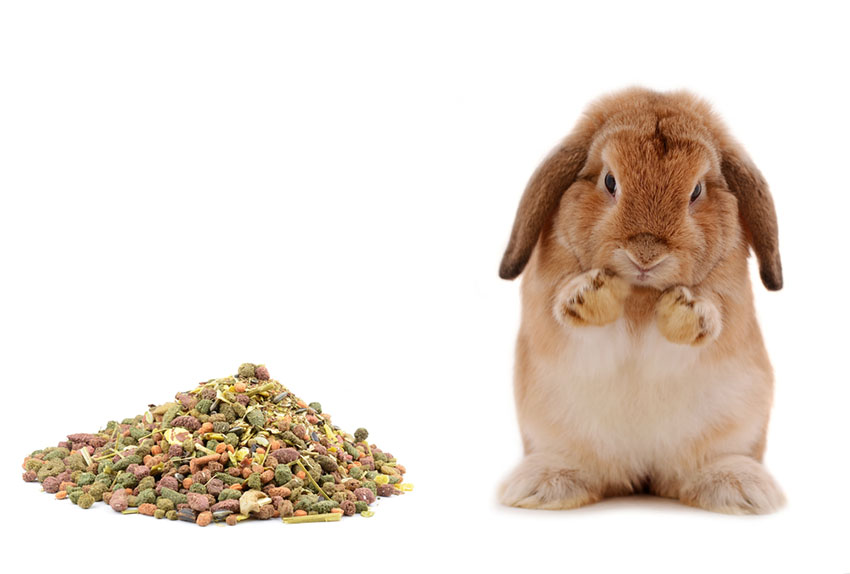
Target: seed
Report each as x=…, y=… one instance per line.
x=186, y=515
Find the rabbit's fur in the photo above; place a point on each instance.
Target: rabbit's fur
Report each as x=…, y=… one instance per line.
x=640, y=366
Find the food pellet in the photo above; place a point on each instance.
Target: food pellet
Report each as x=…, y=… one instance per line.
x=231, y=449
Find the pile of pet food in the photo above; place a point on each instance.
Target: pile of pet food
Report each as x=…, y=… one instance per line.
x=234, y=448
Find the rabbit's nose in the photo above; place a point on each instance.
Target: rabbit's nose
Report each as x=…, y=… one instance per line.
x=646, y=250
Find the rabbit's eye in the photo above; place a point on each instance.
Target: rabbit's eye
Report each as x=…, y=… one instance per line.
x=610, y=184
x=696, y=192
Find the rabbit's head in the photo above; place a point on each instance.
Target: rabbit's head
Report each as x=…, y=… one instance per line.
x=650, y=186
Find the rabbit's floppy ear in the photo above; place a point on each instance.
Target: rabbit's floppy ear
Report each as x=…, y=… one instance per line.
x=541, y=197
x=758, y=215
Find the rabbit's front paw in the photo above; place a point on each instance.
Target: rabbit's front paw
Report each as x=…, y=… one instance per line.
x=545, y=483
x=733, y=484
x=685, y=319
x=596, y=297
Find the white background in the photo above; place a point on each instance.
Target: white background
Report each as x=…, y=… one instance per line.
x=187, y=186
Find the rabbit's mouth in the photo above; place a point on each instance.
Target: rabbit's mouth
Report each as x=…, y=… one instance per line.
x=655, y=273
x=643, y=273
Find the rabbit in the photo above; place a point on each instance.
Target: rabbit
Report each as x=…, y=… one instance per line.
x=640, y=367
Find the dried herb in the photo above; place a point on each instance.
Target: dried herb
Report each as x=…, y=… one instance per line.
x=330, y=517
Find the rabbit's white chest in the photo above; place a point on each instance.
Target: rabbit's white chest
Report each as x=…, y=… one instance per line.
x=611, y=352
x=636, y=395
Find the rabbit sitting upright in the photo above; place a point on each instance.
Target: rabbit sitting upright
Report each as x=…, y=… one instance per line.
x=640, y=366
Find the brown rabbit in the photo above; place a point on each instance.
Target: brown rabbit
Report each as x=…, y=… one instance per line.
x=640, y=365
